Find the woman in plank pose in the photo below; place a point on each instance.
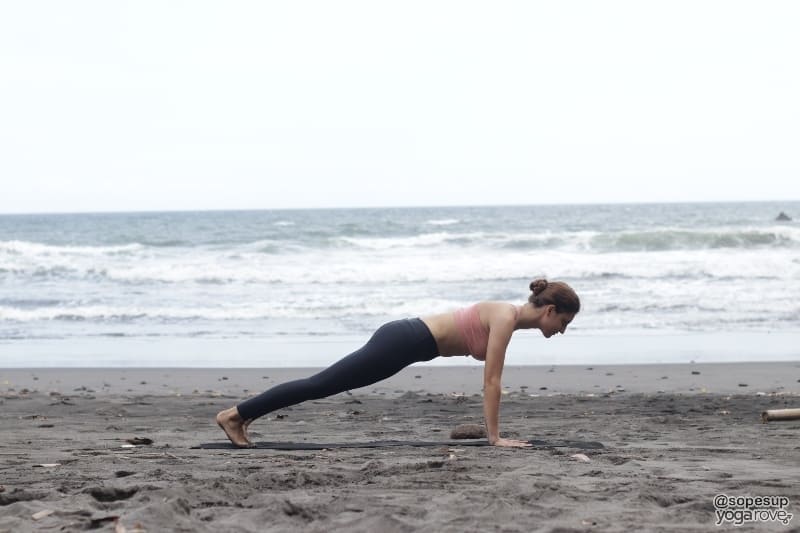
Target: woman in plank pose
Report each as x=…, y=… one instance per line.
x=482, y=331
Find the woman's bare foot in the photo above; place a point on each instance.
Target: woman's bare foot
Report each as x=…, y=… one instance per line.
x=234, y=427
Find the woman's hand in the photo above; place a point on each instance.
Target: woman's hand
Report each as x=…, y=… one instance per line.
x=511, y=443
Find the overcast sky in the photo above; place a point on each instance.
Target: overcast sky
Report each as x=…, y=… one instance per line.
x=109, y=106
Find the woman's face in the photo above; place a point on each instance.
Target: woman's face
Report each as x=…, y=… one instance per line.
x=554, y=322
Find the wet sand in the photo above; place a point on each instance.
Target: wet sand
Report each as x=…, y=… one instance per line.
x=675, y=436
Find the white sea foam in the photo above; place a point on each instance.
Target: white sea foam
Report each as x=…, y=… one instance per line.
x=34, y=249
x=425, y=240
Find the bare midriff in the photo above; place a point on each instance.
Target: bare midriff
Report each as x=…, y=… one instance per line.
x=448, y=337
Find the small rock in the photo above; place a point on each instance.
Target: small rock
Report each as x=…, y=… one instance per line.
x=783, y=217
x=468, y=431
x=580, y=457
x=695, y=373
x=743, y=384
x=139, y=441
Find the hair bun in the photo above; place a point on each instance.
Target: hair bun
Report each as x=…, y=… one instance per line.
x=537, y=286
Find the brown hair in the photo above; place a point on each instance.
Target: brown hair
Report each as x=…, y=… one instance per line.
x=555, y=293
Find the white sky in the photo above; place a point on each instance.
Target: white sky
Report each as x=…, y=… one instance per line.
x=111, y=105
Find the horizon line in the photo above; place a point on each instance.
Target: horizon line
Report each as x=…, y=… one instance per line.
x=372, y=207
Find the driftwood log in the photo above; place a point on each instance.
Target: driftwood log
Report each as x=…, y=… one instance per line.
x=780, y=414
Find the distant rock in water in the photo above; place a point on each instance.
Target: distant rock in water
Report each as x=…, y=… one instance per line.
x=783, y=217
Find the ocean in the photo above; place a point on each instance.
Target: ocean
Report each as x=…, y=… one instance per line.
x=658, y=282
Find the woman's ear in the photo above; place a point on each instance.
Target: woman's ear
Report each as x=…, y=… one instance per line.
x=551, y=309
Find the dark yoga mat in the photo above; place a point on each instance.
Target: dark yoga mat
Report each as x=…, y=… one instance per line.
x=580, y=444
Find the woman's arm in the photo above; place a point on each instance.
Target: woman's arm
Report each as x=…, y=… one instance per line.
x=501, y=326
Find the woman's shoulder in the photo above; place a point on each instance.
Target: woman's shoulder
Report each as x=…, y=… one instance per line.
x=493, y=304
x=497, y=310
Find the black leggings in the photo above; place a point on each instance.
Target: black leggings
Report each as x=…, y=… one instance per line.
x=392, y=347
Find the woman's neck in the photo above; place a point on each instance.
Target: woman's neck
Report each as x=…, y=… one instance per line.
x=529, y=317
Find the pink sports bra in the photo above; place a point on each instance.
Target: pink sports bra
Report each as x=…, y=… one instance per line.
x=468, y=322
x=472, y=331
x=475, y=335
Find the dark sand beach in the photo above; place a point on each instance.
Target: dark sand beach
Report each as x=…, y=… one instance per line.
x=675, y=436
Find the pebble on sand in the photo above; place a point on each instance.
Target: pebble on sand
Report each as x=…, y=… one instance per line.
x=42, y=514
